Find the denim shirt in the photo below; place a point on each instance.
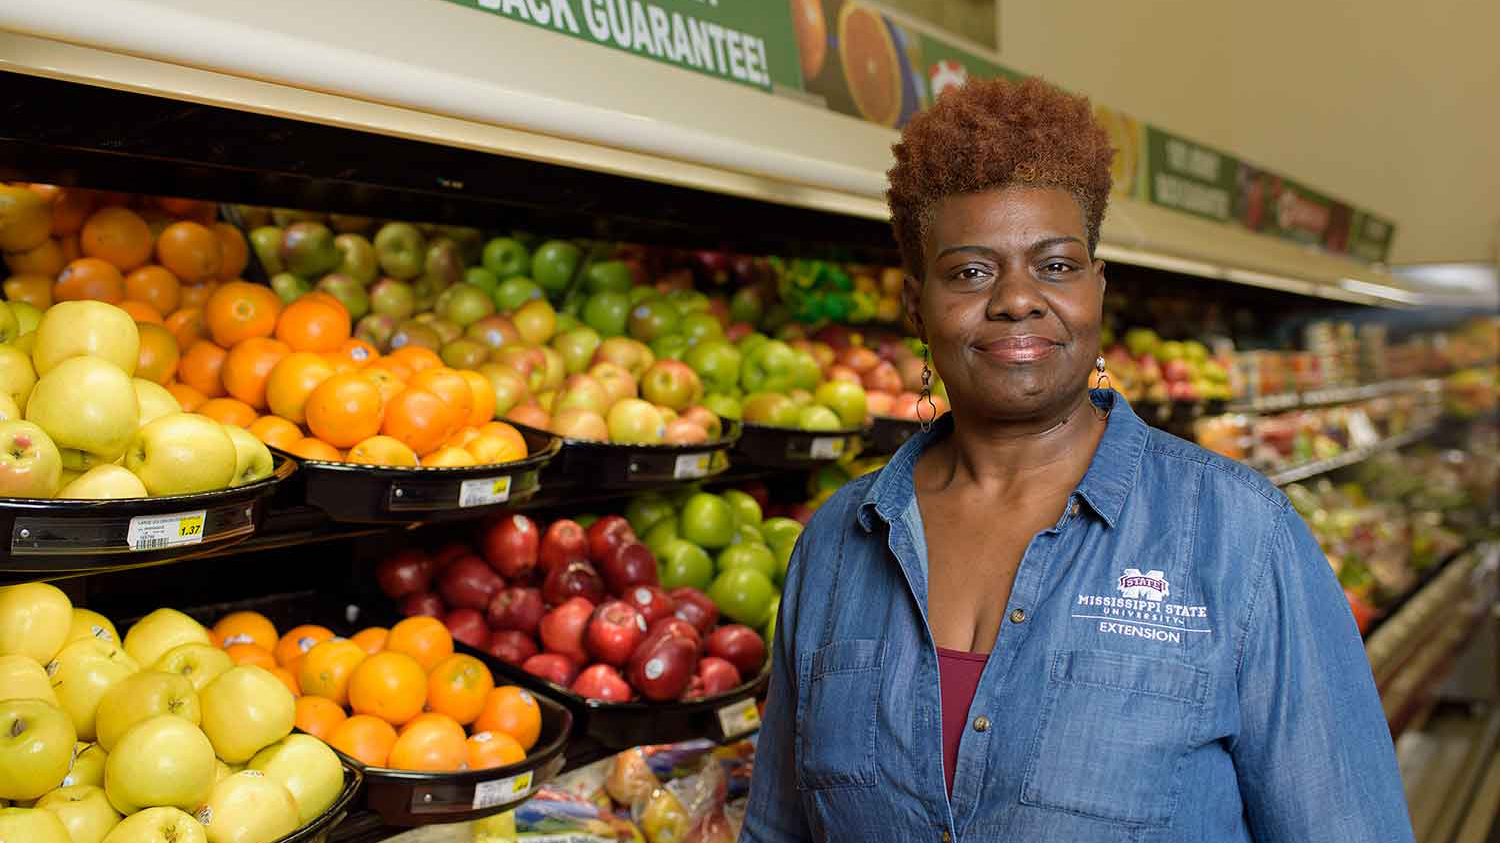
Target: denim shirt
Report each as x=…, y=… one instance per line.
x=1177, y=663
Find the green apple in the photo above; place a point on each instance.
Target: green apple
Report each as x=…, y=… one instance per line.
x=152, y=636
x=700, y=328
x=670, y=347
x=182, y=453
x=266, y=241
x=87, y=766
x=743, y=595
x=21, y=678
x=349, y=292
x=515, y=291
x=85, y=328
x=30, y=465
x=161, y=761
x=245, y=710
x=631, y=355
x=723, y=406
x=746, y=305
x=141, y=696
x=769, y=367
x=707, y=521
x=805, y=371
x=607, y=312
x=637, y=295
x=88, y=624
x=103, y=482
x=393, y=298
x=608, y=276
x=577, y=347
x=289, y=287
x=780, y=529
x=307, y=249
x=248, y=807
x=819, y=418
x=223, y=771
x=32, y=825
x=17, y=376
x=653, y=319
x=748, y=534
x=88, y=407
x=464, y=353
x=554, y=264
x=443, y=263
x=401, y=249
x=36, y=746
x=690, y=301
x=158, y=825
x=356, y=258
x=307, y=768
x=769, y=632
x=483, y=279
x=634, y=421
x=782, y=550
x=153, y=400
x=465, y=304
x=81, y=673
x=717, y=362
x=747, y=555
x=252, y=459
x=199, y=663
x=770, y=408
x=746, y=508
x=506, y=258
x=446, y=331
x=644, y=510
x=84, y=811
x=751, y=342
x=671, y=383
x=685, y=563
x=568, y=320
x=412, y=332
x=34, y=620
x=660, y=534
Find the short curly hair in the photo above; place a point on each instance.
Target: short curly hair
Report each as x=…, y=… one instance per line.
x=992, y=134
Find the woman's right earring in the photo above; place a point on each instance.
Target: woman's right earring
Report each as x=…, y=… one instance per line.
x=1102, y=381
x=926, y=395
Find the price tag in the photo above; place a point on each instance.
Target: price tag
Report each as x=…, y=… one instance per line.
x=501, y=791
x=1361, y=432
x=827, y=447
x=153, y=532
x=484, y=491
x=692, y=465
x=739, y=718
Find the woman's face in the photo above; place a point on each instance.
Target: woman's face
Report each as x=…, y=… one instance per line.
x=1011, y=301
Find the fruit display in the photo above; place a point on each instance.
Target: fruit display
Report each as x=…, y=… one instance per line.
x=159, y=733
x=1144, y=367
x=1274, y=441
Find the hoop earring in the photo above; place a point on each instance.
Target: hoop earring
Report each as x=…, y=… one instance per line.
x=1102, y=382
x=926, y=394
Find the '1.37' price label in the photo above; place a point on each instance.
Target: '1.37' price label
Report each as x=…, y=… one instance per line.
x=484, y=491
x=154, y=532
x=740, y=718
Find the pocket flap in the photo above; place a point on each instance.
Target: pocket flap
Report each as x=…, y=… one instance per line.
x=1137, y=674
x=845, y=656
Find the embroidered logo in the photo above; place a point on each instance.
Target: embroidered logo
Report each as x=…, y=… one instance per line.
x=1151, y=585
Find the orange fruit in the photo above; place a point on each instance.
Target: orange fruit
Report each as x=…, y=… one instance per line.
x=313, y=325
x=383, y=450
x=453, y=388
x=449, y=457
x=430, y=742
x=235, y=251
x=292, y=381
x=90, y=278
x=71, y=250
x=416, y=358
x=35, y=290
x=191, y=251
x=287, y=678
x=142, y=313
x=398, y=370
x=424, y=639
x=117, y=235
x=186, y=324
x=46, y=259
x=200, y=367
x=463, y=437
x=70, y=210
x=314, y=449
x=156, y=286
x=366, y=739
x=512, y=711
x=339, y=362
x=251, y=654
x=239, y=310
x=196, y=295
x=325, y=670
x=420, y=419
x=344, y=410
x=158, y=357
x=372, y=640
x=498, y=442
x=188, y=398
x=358, y=351
x=297, y=641
x=275, y=431
x=319, y=716
x=483, y=394
x=247, y=628
x=228, y=411
x=320, y=296
x=248, y=367
x=458, y=687
x=385, y=381
x=185, y=208
x=493, y=749
x=388, y=685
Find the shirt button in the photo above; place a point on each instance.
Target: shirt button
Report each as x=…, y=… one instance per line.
x=981, y=724
x=1073, y=510
x=1018, y=616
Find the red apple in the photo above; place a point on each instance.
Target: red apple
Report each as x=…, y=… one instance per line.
x=904, y=407
x=614, y=632
x=575, y=579
x=469, y=584
x=422, y=603
x=606, y=534
x=739, y=645
x=883, y=378
x=715, y=676
x=510, y=544
x=602, y=682
x=684, y=432
x=738, y=331
x=552, y=667
x=911, y=373
x=467, y=626
x=879, y=403
x=662, y=666
x=678, y=627
x=516, y=608
x=511, y=646
x=564, y=542
x=562, y=629
x=859, y=358
x=695, y=607
x=840, y=372
x=408, y=572
x=653, y=603
x=629, y=565
x=448, y=554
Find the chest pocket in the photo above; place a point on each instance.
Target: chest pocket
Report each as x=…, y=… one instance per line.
x=1113, y=733
x=838, y=691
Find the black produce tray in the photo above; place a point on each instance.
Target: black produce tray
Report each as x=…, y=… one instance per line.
x=366, y=494
x=316, y=831
x=70, y=536
x=887, y=434
x=608, y=465
x=786, y=447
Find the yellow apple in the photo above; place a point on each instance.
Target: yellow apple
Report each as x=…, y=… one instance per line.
x=307, y=768
x=90, y=624
x=88, y=765
x=86, y=329
x=36, y=746
x=28, y=316
x=17, y=377
x=199, y=663
x=158, y=825
x=182, y=453
x=103, y=482
x=26, y=343
x=246, y=710
x=25, y=218
x=21, y=678
x=160, y=631
x=222, y=771
x=252, y=458
x=248, y=807
x=81, y=673
x=84, y=810
x=89, y=408
x=160, y=761
x=154, y=399
x=34, y=620
x=30, y=464
x=8, y=408
x=142, y=696
x=31, y=825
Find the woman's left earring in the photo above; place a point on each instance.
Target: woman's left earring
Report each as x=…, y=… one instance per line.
x=1102, y=381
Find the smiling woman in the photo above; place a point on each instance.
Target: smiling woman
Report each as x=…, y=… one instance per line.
x=1091, y=630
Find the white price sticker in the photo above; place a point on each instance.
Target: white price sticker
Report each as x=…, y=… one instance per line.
x=1361, y=432
x=154, y=532
x=484, y=491
x=692, y=465
x=501, y=791
x=827, y=447
x=739, y=718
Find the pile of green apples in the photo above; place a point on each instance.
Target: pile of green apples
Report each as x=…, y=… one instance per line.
x=159, y=737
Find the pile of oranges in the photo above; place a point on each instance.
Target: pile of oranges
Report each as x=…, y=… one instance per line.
x=293, y=375
x=398, y=698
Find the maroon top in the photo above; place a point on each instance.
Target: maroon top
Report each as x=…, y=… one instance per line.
x=958, y=676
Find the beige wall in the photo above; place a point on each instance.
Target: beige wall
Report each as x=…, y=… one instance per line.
x=1389, y=105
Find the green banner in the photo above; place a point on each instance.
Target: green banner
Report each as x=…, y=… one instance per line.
x=1370, y=237
x=1188, y=176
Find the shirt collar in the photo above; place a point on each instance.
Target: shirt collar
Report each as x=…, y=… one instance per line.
x=1104, y=487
